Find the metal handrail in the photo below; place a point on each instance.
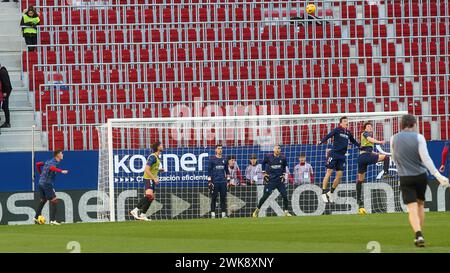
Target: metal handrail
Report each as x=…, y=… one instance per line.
x=264, y=21
x=233, y=61
x=307, y=39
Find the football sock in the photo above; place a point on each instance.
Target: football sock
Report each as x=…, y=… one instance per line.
x=419, y=234
x=147, y=204
x=39, y=208
x=386, y=165
x=263, y=199
x=285, y=203
x=53, y=209
x=358, y=192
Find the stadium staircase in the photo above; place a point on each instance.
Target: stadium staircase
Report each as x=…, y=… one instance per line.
x=18, y=137
x=137, y=58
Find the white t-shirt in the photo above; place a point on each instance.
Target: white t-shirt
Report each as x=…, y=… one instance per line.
x=303, y=173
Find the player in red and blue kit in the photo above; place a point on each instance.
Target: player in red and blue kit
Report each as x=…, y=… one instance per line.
x=274, y=170
x=218, y=178
x=46, y=189
x=445, y=162
x=336, y=158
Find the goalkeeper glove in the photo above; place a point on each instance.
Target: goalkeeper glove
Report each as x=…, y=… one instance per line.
x=210, y=184
x=211, y=188
x=283, y=179
x=266, y=178
x=442, y=179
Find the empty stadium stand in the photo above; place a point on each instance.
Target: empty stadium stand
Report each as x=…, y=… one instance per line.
x=137, y=58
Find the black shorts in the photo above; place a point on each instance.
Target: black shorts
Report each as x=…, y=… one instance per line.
x=413, y=188
x=46, y=191
x=149, y=184
x=335, y=164
x=366, y=159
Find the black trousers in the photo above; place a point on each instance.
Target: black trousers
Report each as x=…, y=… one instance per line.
x=30, y=40
x=5, y=106
x=220, y=189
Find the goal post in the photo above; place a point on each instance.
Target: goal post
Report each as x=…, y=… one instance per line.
x=124, y=146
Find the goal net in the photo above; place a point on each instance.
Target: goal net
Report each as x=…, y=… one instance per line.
x=189, y=142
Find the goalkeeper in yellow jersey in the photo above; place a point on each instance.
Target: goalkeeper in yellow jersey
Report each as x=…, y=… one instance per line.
x=368, y=157
x=151, y=181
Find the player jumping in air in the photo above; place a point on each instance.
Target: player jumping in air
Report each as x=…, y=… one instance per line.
x=47, y=173
x=151, y=181
x=368, y=157
x=336, y=159
x=218, y=178
x=274, y=169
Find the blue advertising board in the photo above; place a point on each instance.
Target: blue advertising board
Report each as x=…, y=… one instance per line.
x=186, y=166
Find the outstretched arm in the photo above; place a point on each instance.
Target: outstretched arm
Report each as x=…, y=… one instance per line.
x=327, y=137
x=392, y=148
x=426, y=160
x=425, y=156
x=54, y=169
x=353, y=140
x=373, y=140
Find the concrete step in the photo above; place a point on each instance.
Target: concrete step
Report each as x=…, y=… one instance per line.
x=20, y=139
x=16, y=77
x=9, y=6
x=10, y=24
x=18, y=108
x=20, y=98
x=12, y=43
x=20, y=119
x=11, y=60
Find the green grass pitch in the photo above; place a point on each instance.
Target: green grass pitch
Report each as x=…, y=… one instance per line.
x=330, y=233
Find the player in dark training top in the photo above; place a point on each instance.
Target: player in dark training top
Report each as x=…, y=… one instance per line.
x=218, y=178
x=274, y=169
x=336, y=158
x=151, y=180
x=368, y=157
x=46, y=189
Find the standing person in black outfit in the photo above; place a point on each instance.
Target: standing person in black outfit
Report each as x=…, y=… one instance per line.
x=6, y=89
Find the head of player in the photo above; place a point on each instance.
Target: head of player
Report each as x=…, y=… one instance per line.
x=253, y=160
x=231, y=160
x=302, y=159
x=58, y=155
x=409, y=123
x=343, y=122
x=219, y=150
x=157, y=147
x=277, y=150
x=367, y=127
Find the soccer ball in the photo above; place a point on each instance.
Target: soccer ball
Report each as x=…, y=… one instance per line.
x=311, y=9
x=41, y=220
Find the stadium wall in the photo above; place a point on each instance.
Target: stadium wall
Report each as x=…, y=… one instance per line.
x=79, y=195
x=80, y=205
x=15, y=174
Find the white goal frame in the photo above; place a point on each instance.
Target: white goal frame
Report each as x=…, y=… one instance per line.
x=111, y=122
